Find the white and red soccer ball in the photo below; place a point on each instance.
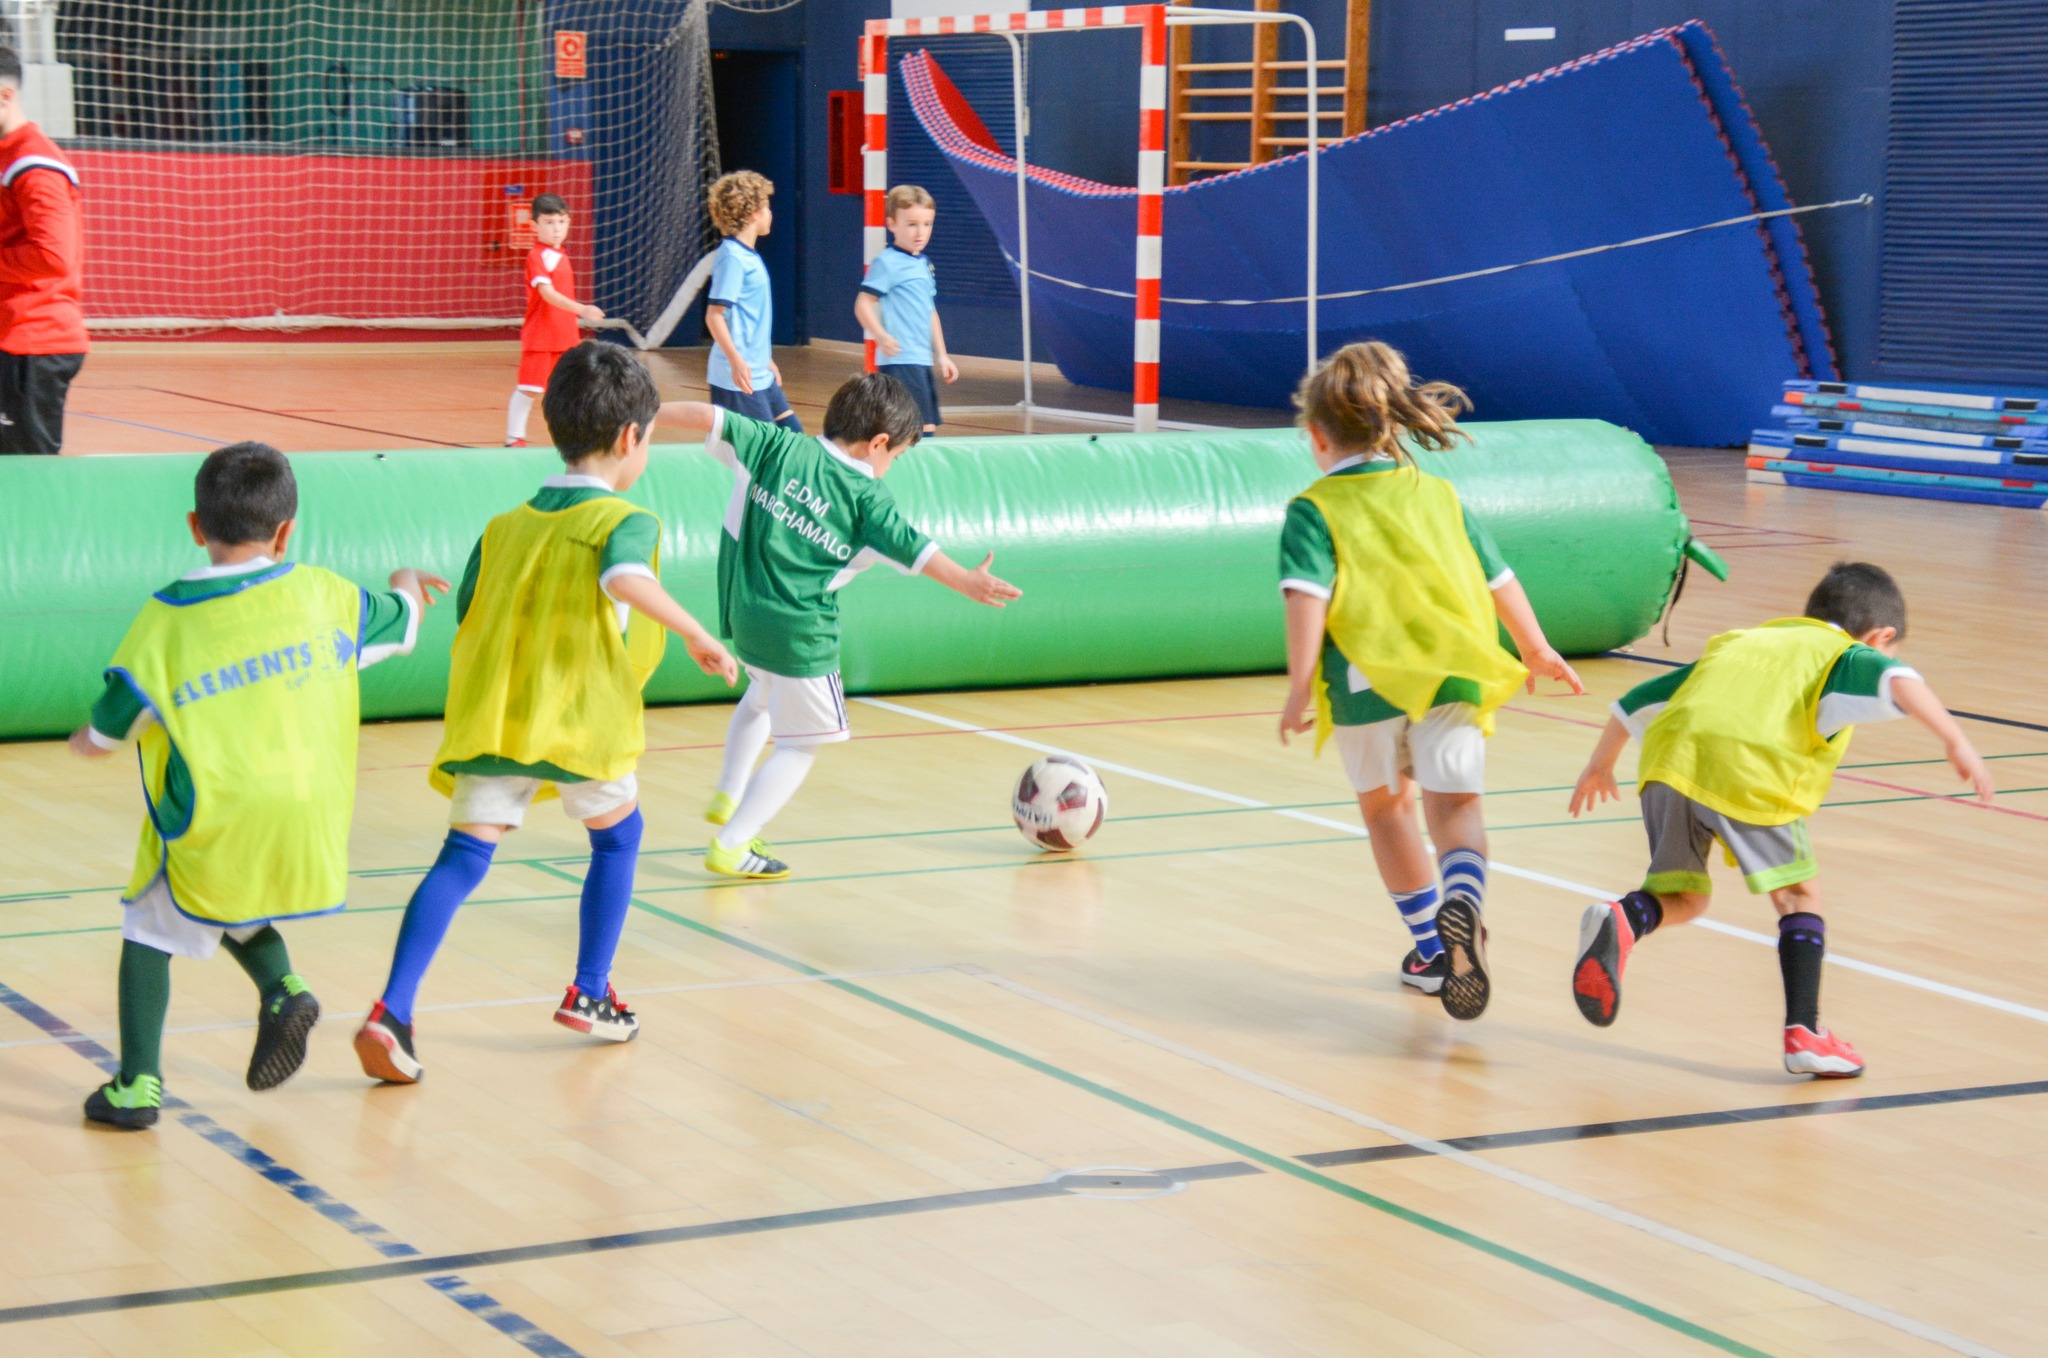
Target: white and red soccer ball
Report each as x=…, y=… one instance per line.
x=1059, y=803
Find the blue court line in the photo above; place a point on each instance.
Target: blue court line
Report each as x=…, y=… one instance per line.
x=529, y=1335
x=152, y=428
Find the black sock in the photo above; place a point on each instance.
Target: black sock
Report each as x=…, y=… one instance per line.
x=1802, y=943
x=1644, y=912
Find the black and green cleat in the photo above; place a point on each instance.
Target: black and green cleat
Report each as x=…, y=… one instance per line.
x=130, y=1106
x=282, y=1025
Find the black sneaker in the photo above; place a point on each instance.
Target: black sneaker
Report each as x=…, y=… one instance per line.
x=604, y=1016
x=129, y=1106
x=1466, y=987
x=288, y=1014
x=384, y=1046
x=1427, y=977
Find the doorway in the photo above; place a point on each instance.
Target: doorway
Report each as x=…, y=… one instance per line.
x=758, y=97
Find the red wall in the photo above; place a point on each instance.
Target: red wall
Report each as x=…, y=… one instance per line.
x=218, y=235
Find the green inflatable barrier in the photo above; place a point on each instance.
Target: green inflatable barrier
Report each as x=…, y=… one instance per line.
x=1138, y=556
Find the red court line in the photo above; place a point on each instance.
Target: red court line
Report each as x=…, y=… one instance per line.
x=1957, y=799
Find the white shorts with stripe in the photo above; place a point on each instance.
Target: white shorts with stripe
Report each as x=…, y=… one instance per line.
x=800, y=711
x=1444, y=752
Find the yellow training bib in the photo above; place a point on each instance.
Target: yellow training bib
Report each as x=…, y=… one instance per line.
x=256, y=692
x=541, y=672
x=1739, y=735
x=1411, y=607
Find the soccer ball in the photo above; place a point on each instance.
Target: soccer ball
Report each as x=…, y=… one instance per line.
x=1059, y=803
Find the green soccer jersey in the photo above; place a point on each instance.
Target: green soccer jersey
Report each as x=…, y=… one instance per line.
x=1308, y=564
x=804, y=519
x=389, y=625
x=630, y=550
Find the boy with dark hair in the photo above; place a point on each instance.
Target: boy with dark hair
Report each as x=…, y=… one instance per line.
x=42, y=245
x=806, y=516
x=239, y=681
x=562, y=619
x=1741, y=746
x=552, y=312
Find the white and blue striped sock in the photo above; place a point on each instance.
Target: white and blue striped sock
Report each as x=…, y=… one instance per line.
x=1464, y=870
x=1418, y=912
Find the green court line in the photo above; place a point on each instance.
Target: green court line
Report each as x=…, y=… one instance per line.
x=1279, y=1163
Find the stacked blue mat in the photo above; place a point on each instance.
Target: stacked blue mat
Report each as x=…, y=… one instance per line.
x=1925, y=445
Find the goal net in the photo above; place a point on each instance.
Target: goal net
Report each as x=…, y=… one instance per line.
x=369, y=164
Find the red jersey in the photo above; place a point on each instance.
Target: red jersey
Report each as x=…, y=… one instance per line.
x=42, y=245
x=548, y=329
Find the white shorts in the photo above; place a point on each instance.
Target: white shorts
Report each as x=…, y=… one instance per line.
x=480, y=799
x=1444, y=752
x=153, y=921
x=800, y=711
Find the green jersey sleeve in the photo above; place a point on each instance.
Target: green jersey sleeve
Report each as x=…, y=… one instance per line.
x=1638, y=707
x=1859, y=690
x=1308, y=558
x=885, y=532
x=740, y=442
x=631, y=549
x=466, y=591
x=118, y=713
x=1495, y=565
x=390, y=626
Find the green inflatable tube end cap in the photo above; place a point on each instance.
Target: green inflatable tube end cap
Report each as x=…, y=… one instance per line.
x=1707, y=558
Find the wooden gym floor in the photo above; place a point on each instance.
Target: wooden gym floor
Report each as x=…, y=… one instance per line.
x=939, y=1094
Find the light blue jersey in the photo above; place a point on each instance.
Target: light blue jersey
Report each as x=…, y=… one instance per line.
x=908, y=290
x=739, y=283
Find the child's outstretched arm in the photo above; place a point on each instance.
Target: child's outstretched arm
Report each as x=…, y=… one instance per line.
x=869, y=314
x=695, y=416
x=1596, y=784
x=977, y=584
x=1307, y=617
x=581, y=310
x=1914, y=698
x=1512, y=603
x=644, y=594
x=418, y=585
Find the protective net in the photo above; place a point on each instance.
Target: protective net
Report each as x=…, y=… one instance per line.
x=302, y=164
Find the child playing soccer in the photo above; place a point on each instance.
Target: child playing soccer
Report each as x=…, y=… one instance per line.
x=897, y=304
x=239, y=682
x=551, y=312
x=561, y=617
x=807, y=515
x=1741, y=746
x=740, y=313
x=1395, y=596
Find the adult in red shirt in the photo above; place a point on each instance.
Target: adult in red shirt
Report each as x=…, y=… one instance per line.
x=42, y=244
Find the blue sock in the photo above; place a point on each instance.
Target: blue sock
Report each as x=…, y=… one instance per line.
x=1464, y=870
x=1418, y=912
x=607, y=896
x=458, y=871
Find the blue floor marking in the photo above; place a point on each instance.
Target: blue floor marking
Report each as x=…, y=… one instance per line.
x=136, y=424
x=477, y=1303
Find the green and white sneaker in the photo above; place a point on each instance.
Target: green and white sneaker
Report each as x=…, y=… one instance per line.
x=131, y=1107
x=288, y=1014
x=721, y=808
x=756, y=861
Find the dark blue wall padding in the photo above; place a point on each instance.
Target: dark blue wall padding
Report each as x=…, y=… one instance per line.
x=1684, y=341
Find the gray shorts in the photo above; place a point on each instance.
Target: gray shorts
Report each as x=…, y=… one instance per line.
x=1682, y=831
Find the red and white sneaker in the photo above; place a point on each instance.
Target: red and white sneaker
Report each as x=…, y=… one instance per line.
x=515, y=443
x=604, y=1016
x=1821, y=1053
x=1605, y=941
x=384, y=1046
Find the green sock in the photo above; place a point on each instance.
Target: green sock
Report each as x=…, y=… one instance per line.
x=145, y=999
x=264, y=957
